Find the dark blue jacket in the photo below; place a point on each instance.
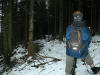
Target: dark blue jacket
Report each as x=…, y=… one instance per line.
x=86, y=39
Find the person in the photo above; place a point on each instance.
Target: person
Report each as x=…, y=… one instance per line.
x=79, y=24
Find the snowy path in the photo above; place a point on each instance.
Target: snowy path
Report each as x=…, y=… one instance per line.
x=57, y=50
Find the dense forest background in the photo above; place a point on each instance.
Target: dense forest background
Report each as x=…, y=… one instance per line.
x=23, y=21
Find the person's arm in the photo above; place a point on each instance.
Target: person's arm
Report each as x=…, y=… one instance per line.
x=86, y=35
x=68, y=30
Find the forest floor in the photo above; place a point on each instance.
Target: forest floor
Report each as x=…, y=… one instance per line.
x=51, y=59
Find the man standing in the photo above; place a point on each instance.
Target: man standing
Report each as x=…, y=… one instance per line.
x=78, y=38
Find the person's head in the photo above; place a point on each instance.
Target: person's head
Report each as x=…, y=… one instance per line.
x=77, y=16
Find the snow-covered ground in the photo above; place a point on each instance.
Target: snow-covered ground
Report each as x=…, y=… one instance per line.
x=49, y=51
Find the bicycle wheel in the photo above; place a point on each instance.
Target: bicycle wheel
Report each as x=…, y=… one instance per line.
x=74, y=66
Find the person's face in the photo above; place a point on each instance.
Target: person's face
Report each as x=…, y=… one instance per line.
x=77, y=18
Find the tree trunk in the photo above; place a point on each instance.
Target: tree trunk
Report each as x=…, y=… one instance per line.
x=99, y=23
x=26, y=22
x=31, y=47
x=10, y=25
x=61, y=20
x=48, y=25
x=70, y=12
x=55, y=27
x=7, y=34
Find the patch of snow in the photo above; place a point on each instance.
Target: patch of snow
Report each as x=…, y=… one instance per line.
x=18, y=53
x=96, y=38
